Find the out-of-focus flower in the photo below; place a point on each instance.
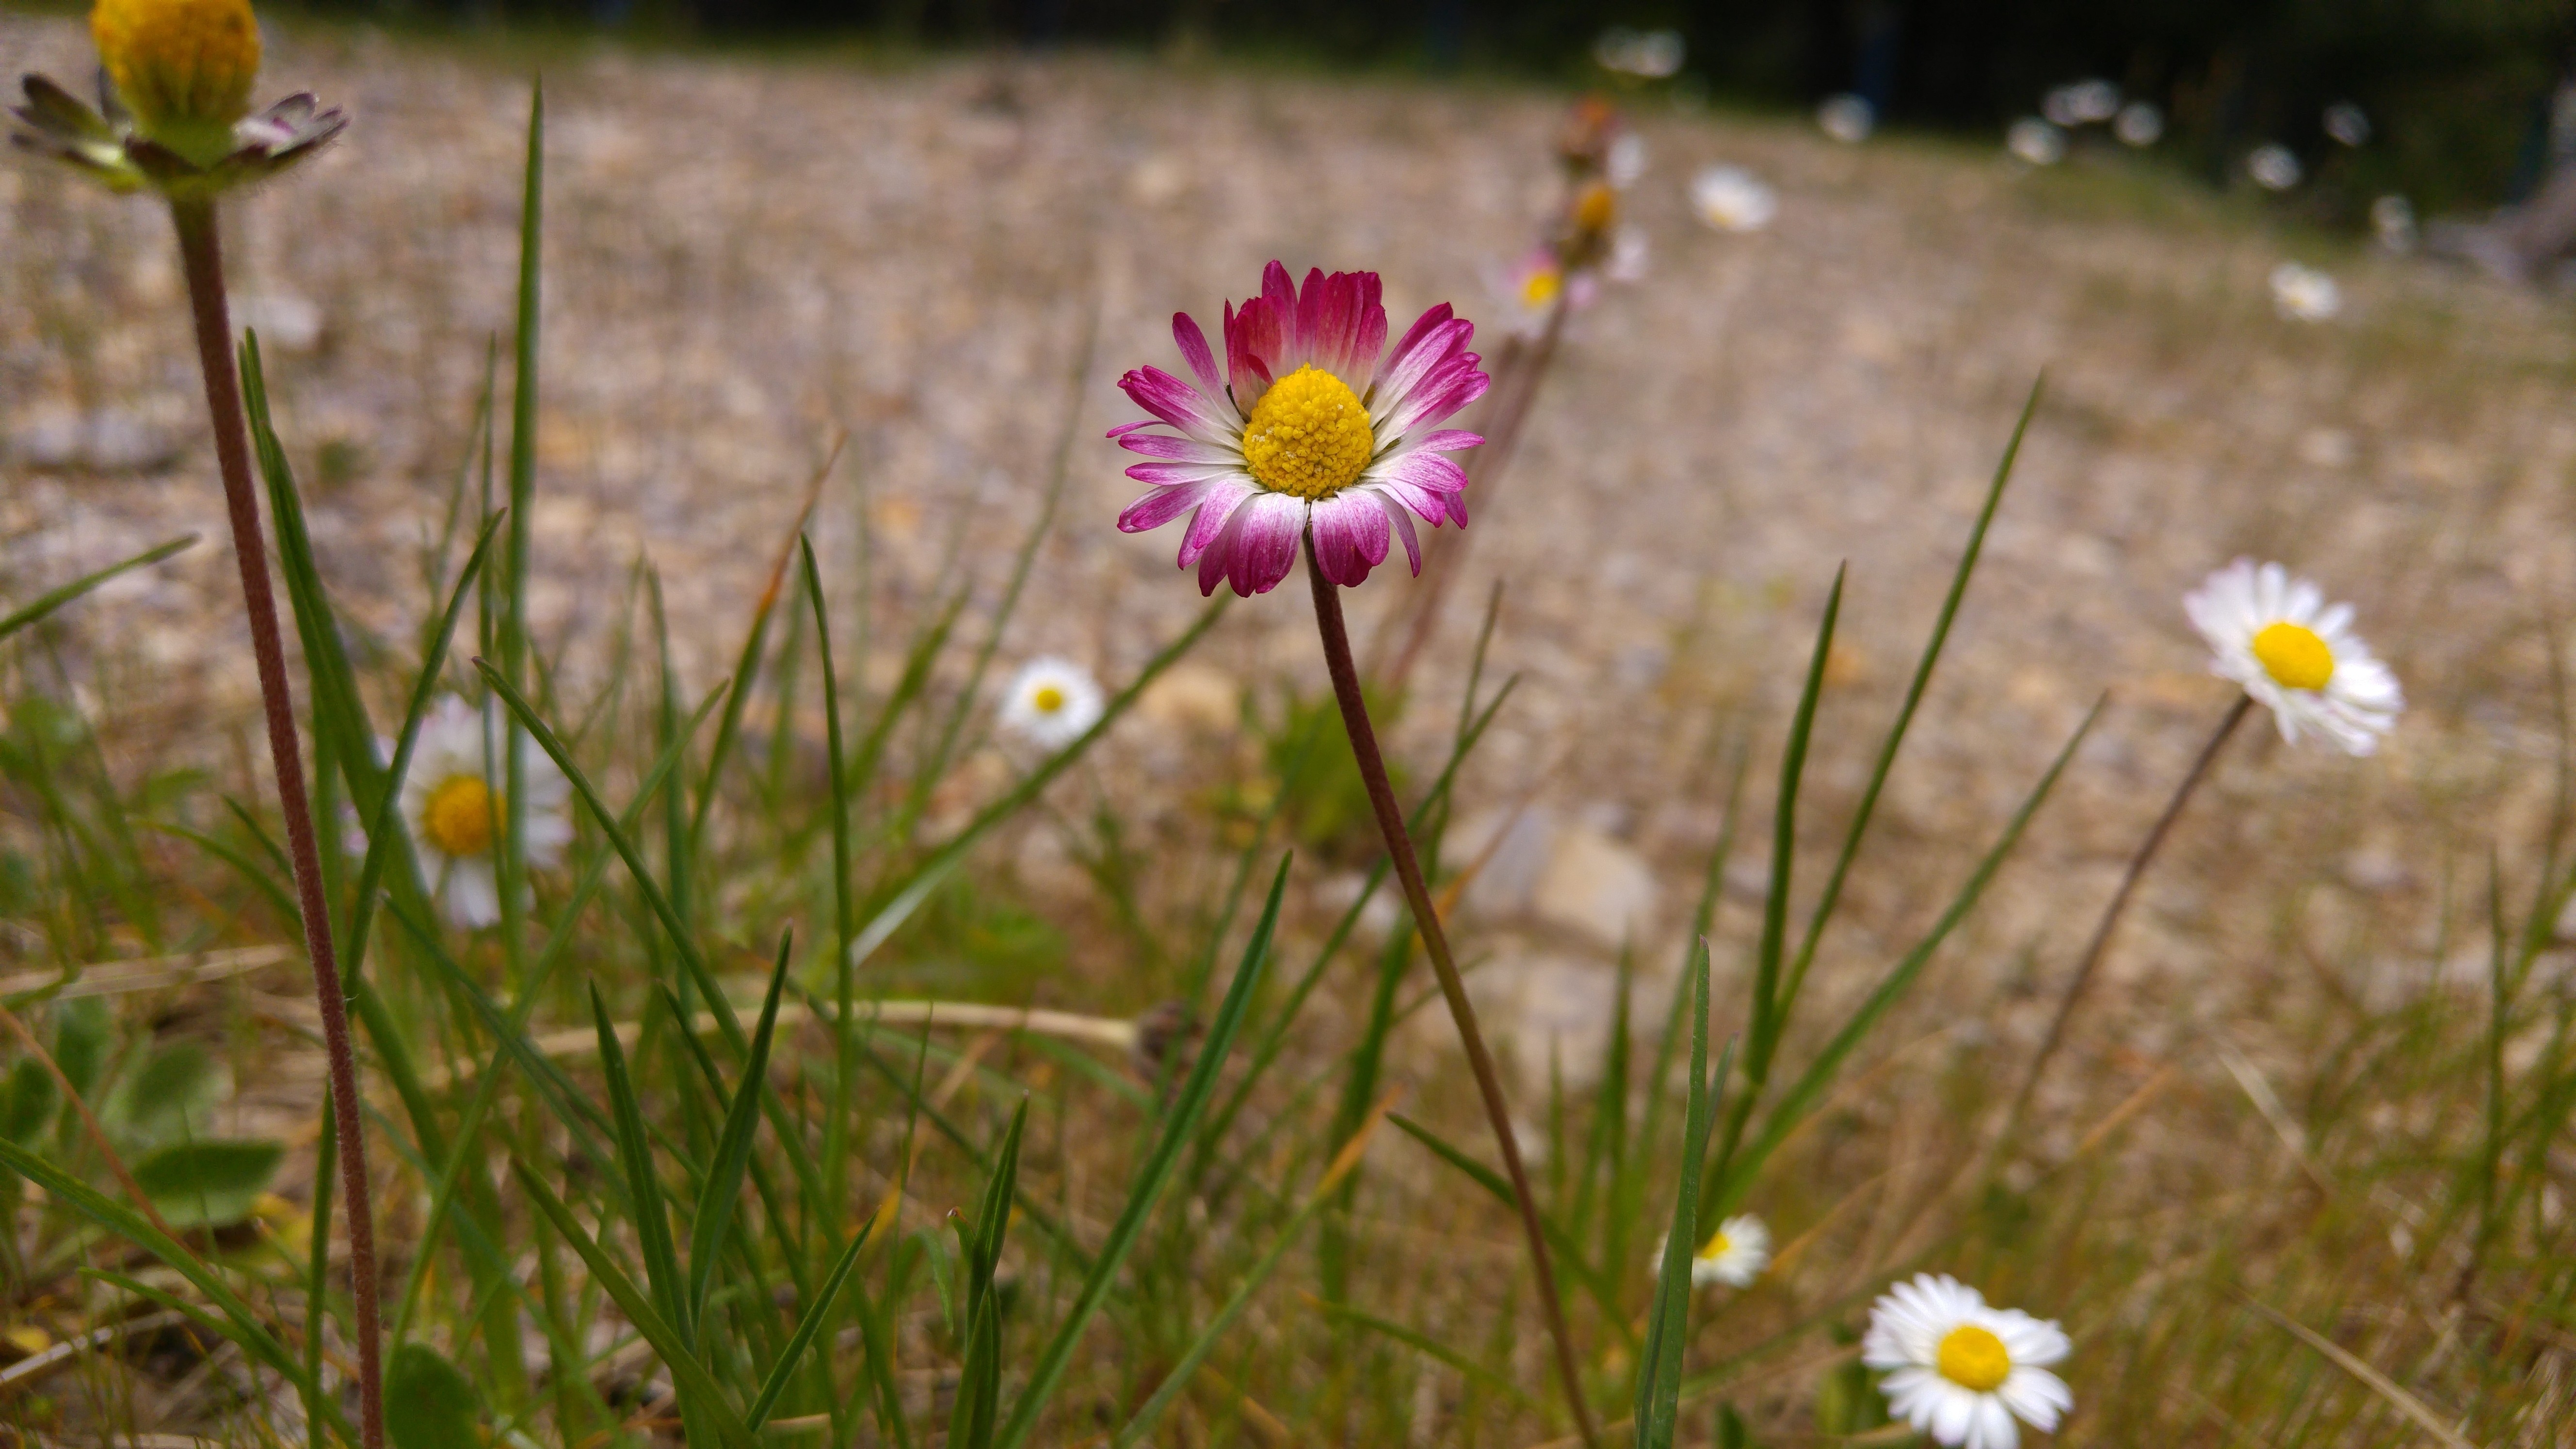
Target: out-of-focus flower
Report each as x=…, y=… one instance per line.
x=1530, y=291
x=2036, y=141
x=1629, y=252
x=452, y=802
x=2392, y=219
x=2348, y=123
x=2296, y=655
x=1626, y=160
x=2274, y=167
x=2140, y=123
x=174, y=92
x=1962, y=1371
x=1050, y=702
x=2304, y=294
x=2081, y=103
x=1847, y=118
x=1735, y=1255
x=1731, y=198
x=1647, y=55
x=1305, y=427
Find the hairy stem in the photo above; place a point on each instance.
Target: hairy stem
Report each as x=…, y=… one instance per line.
x=1399, y=846
x=201, y=254
x=2101, y=942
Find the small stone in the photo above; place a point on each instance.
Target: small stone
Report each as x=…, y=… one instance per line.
x=287, y=322
x=1195, y=698
x=1597, y=887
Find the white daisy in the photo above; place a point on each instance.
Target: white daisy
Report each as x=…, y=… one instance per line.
x=2139, y=123
x=452, y=803
x=2304, y=294
x=1050, y=702
x=2296, y=654
x=2274, y=167
x=1625, y=161
x=2036, y=141
x=1731, y=198
x=1962, y=1371
x=1735, y=1256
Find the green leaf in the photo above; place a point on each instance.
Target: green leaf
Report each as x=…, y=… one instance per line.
x=46, y=603
x=28, y=1100
x=806, y=1328
x=167, y=1099
x=643, y=1189
x=979, y=1380
x=1659, y=1378
x=723, y=1186
x=208, y=1184
x=81, y=1041
x=428, y=1404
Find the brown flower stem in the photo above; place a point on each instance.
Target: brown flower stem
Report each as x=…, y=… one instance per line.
x=201, y=255
x=1399, y=846
x=1518, y=390
x=2101, y=942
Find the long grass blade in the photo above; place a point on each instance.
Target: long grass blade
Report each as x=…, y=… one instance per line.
x=37, y=609
x=722, y=1189
x=816, y=1314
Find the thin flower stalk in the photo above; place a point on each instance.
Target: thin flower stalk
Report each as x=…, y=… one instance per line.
x=201, y=257
x=1453, y=989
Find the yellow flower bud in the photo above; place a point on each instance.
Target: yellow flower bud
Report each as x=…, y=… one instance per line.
x=183, y=67
x=1595, y=208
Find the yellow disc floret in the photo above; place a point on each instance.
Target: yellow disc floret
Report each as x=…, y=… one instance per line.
x=1308, y=436
x=2294, y=656
x=1974, y=1359
x=1716, y=1248
x=1542, y=287
x=1048, y=699
x=457, y=817
x=183, y=67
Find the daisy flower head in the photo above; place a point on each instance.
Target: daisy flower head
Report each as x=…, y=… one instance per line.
x=1051, y=702
x=2296, y=654
x=1730, y=198
x=1529, y=292
x=1962, y=1371
x=452, y=801
x=2304, y=294
x=1735, y=1255
x=1315, y=423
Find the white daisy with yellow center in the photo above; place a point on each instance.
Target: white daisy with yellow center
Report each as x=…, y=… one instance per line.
x=453, y=804
x=1051, y=702
x=1735, y=1255
x=2295, y=654
x=1962, y=1371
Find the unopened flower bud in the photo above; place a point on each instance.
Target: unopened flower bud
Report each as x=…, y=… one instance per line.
x=183, y=67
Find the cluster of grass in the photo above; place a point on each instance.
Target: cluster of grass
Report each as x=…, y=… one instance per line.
x=667, y=1152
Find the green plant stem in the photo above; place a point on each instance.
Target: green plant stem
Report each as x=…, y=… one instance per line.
x=1408, y=870
x=201, y=256
x=2101, y=942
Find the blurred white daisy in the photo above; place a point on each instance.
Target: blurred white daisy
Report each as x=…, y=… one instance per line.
x=1731, y=198
x=1529, y=291
x=1960, y=1370
x=2348, y=123
x=452, y=802
x=1625, y=161
x=2392, y=218
x=2295, y=654
x=2036, y=141
x=1735, y=1255
x=1051, y=702
x=1628, y=255
x=1847, y=118
x=2304, y=294
x=2274, y=167
x=1648, y=55
x=2081, y=103
x=2140, y=123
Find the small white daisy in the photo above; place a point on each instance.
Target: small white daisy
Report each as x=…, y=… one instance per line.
x=1050, y=702
x=1731, y=198
x=2036, y=141
x=2140, y=123
x=2296, y=654
x=453, y=805
x=1735, y=1255
x=2304, y=294
x=1625, y=161
x=1960, y=1370
x=2274, y=167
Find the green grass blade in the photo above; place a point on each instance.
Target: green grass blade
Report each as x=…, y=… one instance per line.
x=722, y=1189
x=1578, y=1266
x=37, y=609
x=816, y=1314
x=845, y=916
x=643, y=1188
x=687, y=1374
x=1177, y=1127
x=979, y=1378
x=1811, y=1084
x=1922, y=680
x=523, y=396
x=1659, y=1378
x=1767, y=1017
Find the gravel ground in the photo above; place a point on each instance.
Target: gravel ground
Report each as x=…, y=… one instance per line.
x=745, y=256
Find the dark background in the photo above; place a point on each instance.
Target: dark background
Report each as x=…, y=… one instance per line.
x=2457, y=90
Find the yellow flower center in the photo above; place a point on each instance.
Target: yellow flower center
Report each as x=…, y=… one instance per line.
x=457, y=818
x=1542, y=287
x=1308, y=436
x=1716, y=1248
x=2294, y=656
x=183, y=67
x=1048, y=699
x=1974, y=1359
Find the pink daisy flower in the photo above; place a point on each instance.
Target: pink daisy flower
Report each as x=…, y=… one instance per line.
x=1313, y=424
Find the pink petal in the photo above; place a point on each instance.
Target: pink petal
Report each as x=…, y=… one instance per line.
x=1162, y=506
x=1223, y=497
x=1416, y=359
x=1194, y=351
x=1258, y=546
x=1168, y=474
x=1350, y=536
x=1164, y=445
x=1175, y=402
x=1421, y=468
x=1449, y=438
x=1403, y=522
